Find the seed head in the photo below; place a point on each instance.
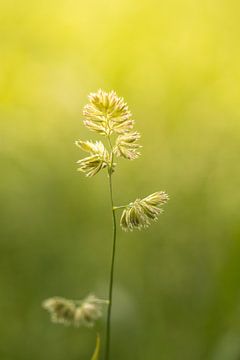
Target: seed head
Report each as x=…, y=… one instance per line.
x=89, y=311
x=62, y=311
x=126, y=145
x=99, y=157
x=138, y=214
x=107, y=113
x=76, y=313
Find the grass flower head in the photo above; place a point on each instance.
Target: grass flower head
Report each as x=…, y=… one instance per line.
x=127, y=146
x=89, y=311
x=138, y=214
x=79, y=312
x=98, y=159
x=107, y=113
x=62, y=311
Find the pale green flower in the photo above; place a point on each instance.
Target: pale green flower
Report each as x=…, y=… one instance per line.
x=107, y=113
x=127, y=146
x=138, y=214
x=99, y=157
x=74, y=312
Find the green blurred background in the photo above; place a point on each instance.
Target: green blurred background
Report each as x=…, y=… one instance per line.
x=177, y=285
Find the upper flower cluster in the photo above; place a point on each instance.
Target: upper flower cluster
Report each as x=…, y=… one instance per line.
x=107, y=114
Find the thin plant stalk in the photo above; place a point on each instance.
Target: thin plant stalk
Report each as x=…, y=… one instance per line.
x=108, y=330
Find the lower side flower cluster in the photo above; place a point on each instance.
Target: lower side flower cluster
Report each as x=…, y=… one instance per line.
x=138, y=214
x=76, y=313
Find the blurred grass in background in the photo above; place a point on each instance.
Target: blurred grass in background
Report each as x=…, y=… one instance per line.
x=177, y=285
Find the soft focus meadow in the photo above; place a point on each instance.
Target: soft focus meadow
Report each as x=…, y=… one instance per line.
x=177, y=284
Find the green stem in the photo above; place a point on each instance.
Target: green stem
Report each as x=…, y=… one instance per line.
x=120, y=207
x=108, y=330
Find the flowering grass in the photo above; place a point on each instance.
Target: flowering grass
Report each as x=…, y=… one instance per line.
x=109, y=116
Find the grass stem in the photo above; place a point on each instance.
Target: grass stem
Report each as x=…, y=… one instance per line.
x=108, y=330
